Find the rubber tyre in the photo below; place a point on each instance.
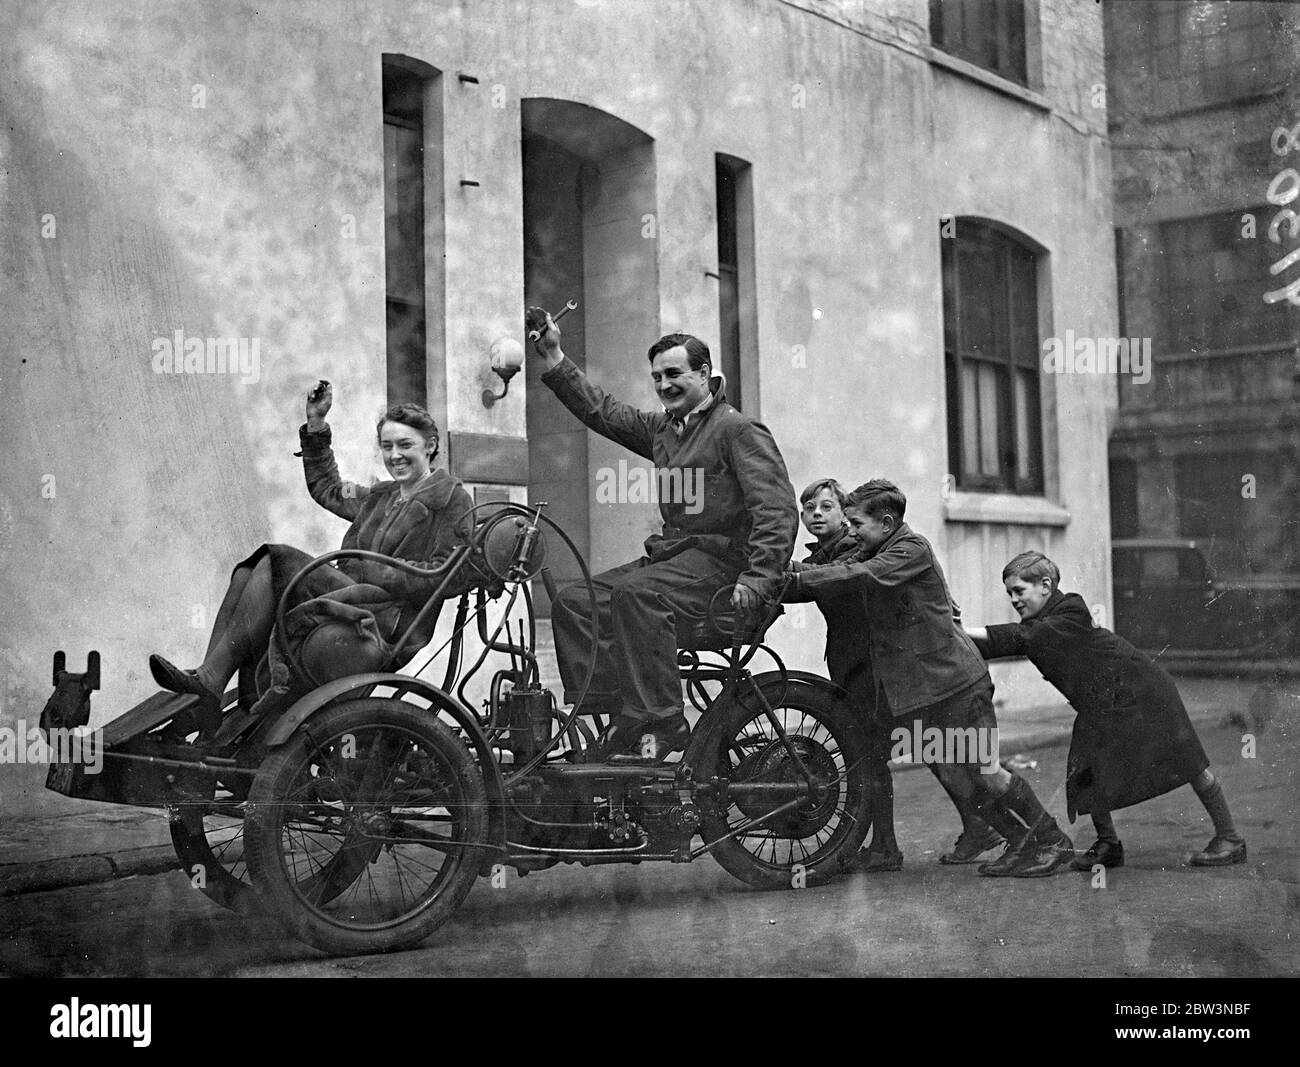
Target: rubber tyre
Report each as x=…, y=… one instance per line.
x=332, y=923
x=737, y=743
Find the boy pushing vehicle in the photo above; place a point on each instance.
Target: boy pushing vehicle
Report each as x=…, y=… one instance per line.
x=1132, y=738
x=848, y=660
x=928, y=673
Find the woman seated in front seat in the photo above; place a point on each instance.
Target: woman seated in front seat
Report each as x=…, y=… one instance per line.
x=420, y=516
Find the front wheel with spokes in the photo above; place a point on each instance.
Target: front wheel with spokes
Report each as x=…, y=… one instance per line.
x=792, y=773
x=364, y=831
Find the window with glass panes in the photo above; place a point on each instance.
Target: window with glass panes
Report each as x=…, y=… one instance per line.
x=1184, y=56
x=1214, y=280
x=991, y=354
x=988, y=33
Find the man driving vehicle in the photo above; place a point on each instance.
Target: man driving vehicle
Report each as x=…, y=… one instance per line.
x=740, y=530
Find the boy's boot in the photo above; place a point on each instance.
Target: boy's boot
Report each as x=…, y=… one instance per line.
x=977, y=834
x=1107, y=850
x=1227, y=846
x=1043, y=849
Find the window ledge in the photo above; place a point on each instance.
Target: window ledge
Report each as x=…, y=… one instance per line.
x=988, y=78
x=1004, y=507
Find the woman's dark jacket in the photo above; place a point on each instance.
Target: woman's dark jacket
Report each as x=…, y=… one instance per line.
x=424, y=529
x=1132, y=737
x=379, y=602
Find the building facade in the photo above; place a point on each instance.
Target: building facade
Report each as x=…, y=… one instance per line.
x=876, y=213
x=1203, y=109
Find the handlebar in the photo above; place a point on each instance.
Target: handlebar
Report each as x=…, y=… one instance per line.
x=447, y=570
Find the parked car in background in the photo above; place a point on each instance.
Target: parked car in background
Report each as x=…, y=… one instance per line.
x=1169, y=602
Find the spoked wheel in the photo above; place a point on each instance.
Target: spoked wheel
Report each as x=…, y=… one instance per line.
x=210, y=843
x=822, y=753
x=364, y=831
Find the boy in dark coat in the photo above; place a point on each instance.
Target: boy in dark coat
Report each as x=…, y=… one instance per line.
x=848, y=662
x=1132, y=737
x=928, y=674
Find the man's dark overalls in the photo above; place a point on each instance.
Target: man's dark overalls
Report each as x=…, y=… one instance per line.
x=739, y=527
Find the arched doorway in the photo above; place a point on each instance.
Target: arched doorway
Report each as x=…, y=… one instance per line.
x=588, y=187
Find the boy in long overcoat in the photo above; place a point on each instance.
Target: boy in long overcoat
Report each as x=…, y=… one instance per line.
x=1132, y=737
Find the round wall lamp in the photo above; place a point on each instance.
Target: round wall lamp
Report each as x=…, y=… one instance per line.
x=506, y=356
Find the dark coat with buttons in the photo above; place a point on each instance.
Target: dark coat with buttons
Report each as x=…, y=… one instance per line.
x=1132, y=737
x=747, y=515
x=918, y=653
x=377, y=603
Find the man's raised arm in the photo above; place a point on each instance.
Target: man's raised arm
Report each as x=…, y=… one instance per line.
x=620, y=422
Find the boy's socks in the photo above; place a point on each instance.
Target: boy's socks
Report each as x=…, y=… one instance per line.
x=880, y=787
x=1105, y=827
x=1217, y=805
x=971, y=822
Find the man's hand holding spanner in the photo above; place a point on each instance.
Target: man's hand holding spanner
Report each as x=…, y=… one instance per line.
x=547, y=344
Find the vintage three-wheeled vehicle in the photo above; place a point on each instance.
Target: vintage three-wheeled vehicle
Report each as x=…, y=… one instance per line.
x=361, y=813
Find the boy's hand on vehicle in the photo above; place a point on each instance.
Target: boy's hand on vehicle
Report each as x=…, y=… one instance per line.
x=319, y=402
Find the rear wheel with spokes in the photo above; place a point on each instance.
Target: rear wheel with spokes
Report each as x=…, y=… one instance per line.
x=209, y=840
x=365, y=830
x=810, y=806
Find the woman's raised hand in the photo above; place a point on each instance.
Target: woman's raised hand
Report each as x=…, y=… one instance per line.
x=319, y=402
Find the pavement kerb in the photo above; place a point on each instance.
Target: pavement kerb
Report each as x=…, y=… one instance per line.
x=65, y=872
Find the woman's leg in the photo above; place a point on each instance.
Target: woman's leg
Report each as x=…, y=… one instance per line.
x=230, y=603
x=243, y=625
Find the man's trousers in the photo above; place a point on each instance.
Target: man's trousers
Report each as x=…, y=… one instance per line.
x=640, y=609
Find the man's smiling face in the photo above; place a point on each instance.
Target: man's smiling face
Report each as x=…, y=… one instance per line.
x=680, y=389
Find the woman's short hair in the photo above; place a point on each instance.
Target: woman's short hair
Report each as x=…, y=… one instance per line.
x=1032, y=566
x=836, y=490
x=877, y=496
x=416, y=417
x=697, y=352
